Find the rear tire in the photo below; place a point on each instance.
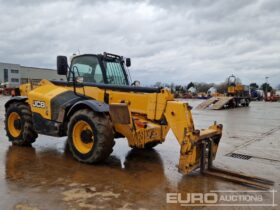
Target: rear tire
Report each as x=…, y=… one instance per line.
x=19, y=125
x=232, y=103
x=90, y=136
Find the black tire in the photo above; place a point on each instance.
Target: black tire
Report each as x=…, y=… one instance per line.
x=103, y=136
x=151, y=145
x=232, y=103
x=27, y=134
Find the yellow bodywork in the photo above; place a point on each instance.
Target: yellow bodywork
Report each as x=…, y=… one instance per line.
x=151, y=116
x=13, y=117
x=234, y=89
x=82, y=147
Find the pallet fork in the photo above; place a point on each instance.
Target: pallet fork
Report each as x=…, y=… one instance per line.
x=207, y=168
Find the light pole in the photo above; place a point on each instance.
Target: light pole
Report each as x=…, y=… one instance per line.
x=266, y=84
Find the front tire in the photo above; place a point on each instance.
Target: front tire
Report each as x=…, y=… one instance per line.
x=19, y=125
x=90, y=136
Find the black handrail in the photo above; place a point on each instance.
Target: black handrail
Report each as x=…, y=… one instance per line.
x=124, y=88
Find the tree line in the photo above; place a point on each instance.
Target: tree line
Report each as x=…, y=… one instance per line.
x=204, y=87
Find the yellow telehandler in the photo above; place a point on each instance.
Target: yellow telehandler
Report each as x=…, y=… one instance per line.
x=97, y=104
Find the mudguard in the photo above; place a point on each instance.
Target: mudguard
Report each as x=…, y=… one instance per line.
x=15, y=99
x=95, y=106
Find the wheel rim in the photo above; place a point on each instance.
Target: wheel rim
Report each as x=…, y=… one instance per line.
x=81, y=144
x=14, y=126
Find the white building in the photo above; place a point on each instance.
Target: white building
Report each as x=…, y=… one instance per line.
x=12, y=75
x=211, y=91
x=9, y=74
x=192, y=90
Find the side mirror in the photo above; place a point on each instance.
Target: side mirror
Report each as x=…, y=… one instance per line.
x=62, y=65
x=128, y=62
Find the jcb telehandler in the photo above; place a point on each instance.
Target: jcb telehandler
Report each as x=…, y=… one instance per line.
x=97, y=104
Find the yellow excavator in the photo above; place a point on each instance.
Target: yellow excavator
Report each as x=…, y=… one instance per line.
x=97, y=104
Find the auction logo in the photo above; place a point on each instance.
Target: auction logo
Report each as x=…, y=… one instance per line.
x=224, y=198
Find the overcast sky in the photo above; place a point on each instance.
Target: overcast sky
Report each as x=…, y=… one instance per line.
x=168, y=41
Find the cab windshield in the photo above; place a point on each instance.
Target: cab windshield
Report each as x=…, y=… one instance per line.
x=88, y=69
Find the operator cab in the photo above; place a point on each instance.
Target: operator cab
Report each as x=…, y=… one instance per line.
x=232, y=80
x=106, y=71
x=99, y=69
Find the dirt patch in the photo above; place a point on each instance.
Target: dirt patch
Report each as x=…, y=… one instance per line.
x=25, y=206
x=88, y=197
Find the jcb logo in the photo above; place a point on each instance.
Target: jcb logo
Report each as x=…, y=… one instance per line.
x=39, y=104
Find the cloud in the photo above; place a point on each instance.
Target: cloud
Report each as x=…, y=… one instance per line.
x=168, y=41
